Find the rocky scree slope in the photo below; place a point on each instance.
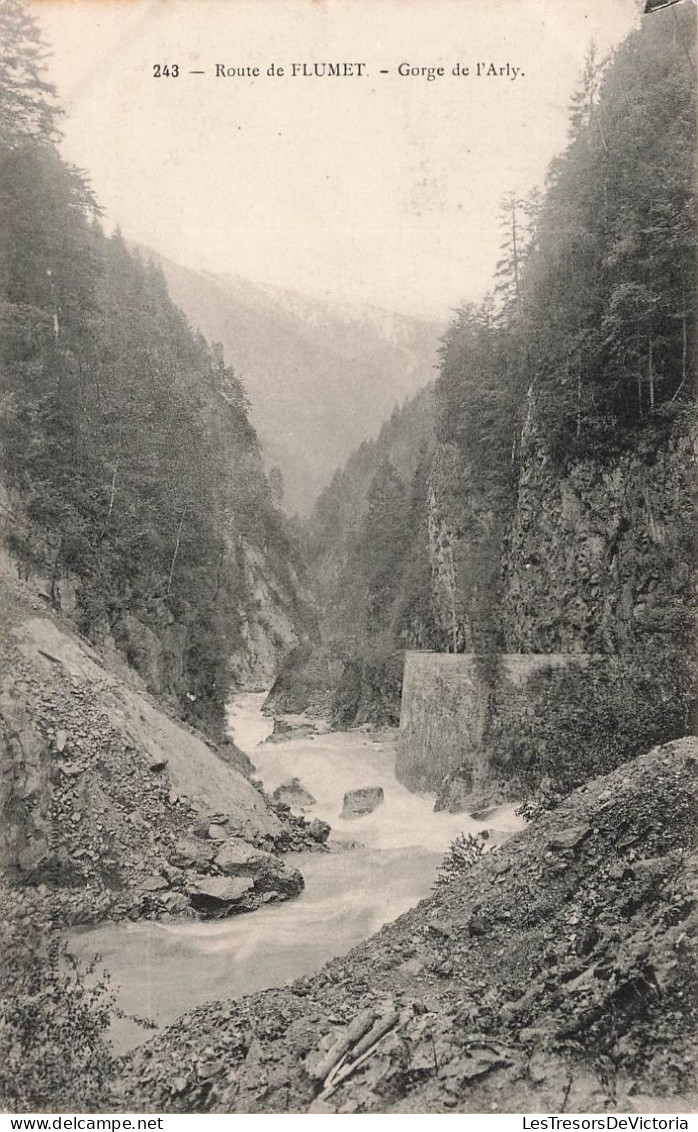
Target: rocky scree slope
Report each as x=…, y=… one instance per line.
x=111, y=808
x=557, y=974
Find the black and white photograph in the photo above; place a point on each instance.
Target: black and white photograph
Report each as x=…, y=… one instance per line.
x=347, y=562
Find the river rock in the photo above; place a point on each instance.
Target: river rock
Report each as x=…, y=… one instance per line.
x=343, y=845
x=176, y=903
x=283, y=731
x=269, y=874
x=293, y=794
x=217, y=896
x=287, y=882
x=319, y=830
x=362, y=801
x=482, y=814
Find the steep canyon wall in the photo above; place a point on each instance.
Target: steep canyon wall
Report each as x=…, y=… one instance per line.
x=594, y=560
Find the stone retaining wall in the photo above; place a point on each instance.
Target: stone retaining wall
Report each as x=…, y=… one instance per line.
x=446, y=703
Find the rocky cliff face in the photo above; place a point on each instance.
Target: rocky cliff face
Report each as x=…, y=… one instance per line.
x=465, y=538
x=270, y=625
x=149, y=645
x=592, y=558
x=600, y=558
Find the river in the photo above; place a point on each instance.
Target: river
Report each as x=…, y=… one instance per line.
x=161, y=970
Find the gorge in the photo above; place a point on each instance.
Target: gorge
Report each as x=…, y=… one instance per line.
x=209, y=640
x=389, y=864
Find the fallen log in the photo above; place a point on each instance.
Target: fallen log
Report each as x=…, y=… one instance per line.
x=354, y=1031
x=362, y=1052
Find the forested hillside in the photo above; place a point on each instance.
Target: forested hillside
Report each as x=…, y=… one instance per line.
x=367, y=553
x=364, y=523
x=527, y=521
x=132, y=477
x=551, y=508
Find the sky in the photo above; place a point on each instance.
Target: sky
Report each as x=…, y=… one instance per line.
x=383, y=189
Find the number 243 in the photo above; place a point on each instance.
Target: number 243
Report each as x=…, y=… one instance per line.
x=165, y=70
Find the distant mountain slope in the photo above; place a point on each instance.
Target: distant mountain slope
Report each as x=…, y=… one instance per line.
x=321, y=377
x=403, y=441
x=375, y=506
x=366, y=548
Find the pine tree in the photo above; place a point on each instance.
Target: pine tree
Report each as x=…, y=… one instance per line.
x=28, y=107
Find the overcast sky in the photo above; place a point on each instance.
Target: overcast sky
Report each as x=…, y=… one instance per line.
x=380, y=189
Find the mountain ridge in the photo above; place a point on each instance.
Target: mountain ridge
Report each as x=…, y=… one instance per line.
x=321, y=376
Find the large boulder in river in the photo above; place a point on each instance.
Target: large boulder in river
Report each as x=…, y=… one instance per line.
x=283, y=731
x=357, y=803
x=293, y=794
x=287, y=882
x=219, y=896
x=319, y=830
x=302, y=683
x=268, y=873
